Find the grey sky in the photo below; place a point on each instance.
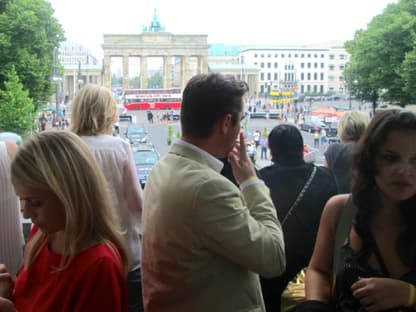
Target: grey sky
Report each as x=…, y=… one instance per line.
x=266, y=22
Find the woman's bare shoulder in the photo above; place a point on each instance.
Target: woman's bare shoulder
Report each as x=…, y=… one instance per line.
x=334, y=207
x=12, y=149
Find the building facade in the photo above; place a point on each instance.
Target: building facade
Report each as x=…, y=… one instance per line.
x=80, y=67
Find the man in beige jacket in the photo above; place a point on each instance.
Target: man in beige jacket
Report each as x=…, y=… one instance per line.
x=204, y=240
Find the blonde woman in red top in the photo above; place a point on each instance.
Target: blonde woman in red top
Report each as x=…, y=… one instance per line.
x=75, y=259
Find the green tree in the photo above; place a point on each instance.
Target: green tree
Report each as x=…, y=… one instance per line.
x=155, y=81
x=16, y=107
x=134, y=82
x=28, y=35
x=116, y=81
x=408, y=73
x=378, y=53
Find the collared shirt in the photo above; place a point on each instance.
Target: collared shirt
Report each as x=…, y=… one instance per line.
x=217, y=164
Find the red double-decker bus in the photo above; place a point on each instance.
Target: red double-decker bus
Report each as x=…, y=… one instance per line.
x=145, y=99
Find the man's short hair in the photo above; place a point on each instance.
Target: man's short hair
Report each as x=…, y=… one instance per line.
x=206, y=99
x=286, y=144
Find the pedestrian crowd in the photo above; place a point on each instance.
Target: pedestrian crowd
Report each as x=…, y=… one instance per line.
x=209, y=232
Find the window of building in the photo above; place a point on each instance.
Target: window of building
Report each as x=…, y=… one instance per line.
x=296, y=55
x=302, y=89
x=269, y=76
x=255, y=54
x=309, y=55
x=322, y=65
x=289, y=55
x=322, y=55
x=275, y=65
x=302, y=55
x=315, y=76
x=331, y=78
x=269, y=65
x=331, y=67
x=342, y=57
x=309, y=76
x=315, y=89
x=341, y=67
x=262, y=76
x=276, y=55
x=276, y=77
x=269, y=55
x=315, y=56
x=315, y=65
x=309, y=88
x=322, y=76
x=255, y=64
x=331, y=56
x=341, y=78
x=309, y=65
x=282, y=55
x=302, y=65
x=262, y=65
x=262, y=55
x=302, y=76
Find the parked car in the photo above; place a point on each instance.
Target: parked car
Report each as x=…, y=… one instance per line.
x=332, y=129
x=136, y=134
x=312, y=126
x=145, y=157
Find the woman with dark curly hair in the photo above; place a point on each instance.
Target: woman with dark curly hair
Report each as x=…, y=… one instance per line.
x=367, y=239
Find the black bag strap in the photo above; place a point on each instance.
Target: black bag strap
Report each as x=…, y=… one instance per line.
x=343, y=228
x=300, y=195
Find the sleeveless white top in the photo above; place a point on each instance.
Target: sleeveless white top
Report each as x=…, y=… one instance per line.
x=11, y=233
x=115, y=157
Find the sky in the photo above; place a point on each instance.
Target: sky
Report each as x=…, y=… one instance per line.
x=258, y=22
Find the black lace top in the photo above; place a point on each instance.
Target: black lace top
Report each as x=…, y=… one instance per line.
x=355, y=265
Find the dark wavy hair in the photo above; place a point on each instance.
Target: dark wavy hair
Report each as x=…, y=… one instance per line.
x=364, y=189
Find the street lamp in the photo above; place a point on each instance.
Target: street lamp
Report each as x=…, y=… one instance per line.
x=56, y=78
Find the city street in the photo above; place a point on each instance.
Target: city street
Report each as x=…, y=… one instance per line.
x=157, y=132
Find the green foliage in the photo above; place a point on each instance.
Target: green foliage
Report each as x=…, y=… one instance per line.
x=155, y=81
x=28, y=36
x=408, y=73
x=16, y=108
x=116, y=81
x=134, y=82
x=378, y=62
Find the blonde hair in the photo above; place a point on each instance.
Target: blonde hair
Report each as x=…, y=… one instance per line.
x=93, y=111
x=352, y=125
x=61, y=162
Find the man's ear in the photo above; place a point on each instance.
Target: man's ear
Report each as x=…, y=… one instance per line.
x=225, y=124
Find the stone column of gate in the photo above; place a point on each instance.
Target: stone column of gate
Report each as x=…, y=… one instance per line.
x=125, y=72
x=143, y=72
x=184, y=70
x=203, y=64
x=107, y=72
x=167, y=72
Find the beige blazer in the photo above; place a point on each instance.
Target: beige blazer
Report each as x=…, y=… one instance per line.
x=205, y=241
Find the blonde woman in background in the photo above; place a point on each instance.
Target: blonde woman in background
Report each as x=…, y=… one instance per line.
x=75, y=259
x=93, y=113
x=11, y=233
x=338, y=155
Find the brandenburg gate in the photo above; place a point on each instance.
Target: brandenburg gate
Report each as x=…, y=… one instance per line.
x=156, y=43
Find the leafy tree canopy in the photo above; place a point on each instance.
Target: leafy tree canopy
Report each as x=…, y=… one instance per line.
x=28, y=35
x=16, y=108
x=381, y=56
